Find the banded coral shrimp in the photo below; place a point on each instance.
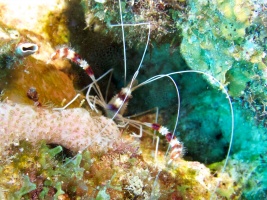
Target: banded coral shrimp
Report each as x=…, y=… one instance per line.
x=117, y=105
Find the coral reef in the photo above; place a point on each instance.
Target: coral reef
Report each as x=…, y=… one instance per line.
x=44, y=171
x=224, y=38
x=39, y=172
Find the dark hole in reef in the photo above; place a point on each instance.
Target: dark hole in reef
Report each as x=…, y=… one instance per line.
x=31, y=48
x=219, y=136
x=66, y=153
x=199, y=128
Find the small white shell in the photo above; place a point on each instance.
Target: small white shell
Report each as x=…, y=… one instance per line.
x=25, y=49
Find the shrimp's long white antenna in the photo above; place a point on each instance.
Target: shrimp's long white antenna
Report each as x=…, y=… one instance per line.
x=137, y=24
x=135, y=74
x=109, y=80
x=102, y=76
x=124, y=51
x=123, y=41
x=63, y=108
x=178, y=111
x=178, y=100
x=221, y=86
x=147, y=41
x=230, y=105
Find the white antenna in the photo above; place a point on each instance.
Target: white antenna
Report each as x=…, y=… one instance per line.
x=124, y=47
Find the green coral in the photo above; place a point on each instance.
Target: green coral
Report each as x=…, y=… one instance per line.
x=216, y=39
x=34, y=167
x=102, y=194
x=27, y=187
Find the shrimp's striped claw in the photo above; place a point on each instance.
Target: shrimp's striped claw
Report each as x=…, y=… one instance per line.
x=176, y=146
x=74, y=57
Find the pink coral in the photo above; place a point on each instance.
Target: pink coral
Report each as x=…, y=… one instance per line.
x=74, y=129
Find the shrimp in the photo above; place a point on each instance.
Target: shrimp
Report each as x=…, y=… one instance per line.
x=116, y=107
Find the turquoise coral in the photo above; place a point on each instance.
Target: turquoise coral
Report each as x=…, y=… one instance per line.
x=215, y=39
